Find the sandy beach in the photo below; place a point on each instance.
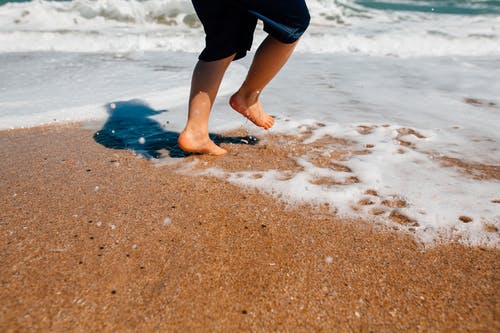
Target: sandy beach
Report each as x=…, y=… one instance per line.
x=372, y=205
x=96, y=239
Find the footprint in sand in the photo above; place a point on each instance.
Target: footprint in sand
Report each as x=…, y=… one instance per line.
x=490, y=228
x=366, y=202
x=365, y=129
x=371, y=192
x=465, y=219
x=326, y=162
x=285, y=175
x=400, y=218
x=330, y=182
x=479, y=102
x=394, y=202
x=377, y=211
x=402, y=132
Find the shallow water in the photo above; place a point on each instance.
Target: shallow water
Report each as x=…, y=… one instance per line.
x=440, y=106
x=412, y=82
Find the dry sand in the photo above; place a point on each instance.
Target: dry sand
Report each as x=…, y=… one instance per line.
x=98, y=240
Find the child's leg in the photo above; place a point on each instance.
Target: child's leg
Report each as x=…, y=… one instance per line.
x=205, y=83
x=268, y=60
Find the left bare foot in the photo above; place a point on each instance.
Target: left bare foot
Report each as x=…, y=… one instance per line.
x=193, y=142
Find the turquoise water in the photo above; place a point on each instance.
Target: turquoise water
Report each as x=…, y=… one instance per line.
x=3, y=2
x=458, y=7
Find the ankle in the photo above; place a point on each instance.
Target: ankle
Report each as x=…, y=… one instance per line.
x=248, y=96
x=195, y=130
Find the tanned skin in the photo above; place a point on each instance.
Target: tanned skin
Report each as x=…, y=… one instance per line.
x=207, y=77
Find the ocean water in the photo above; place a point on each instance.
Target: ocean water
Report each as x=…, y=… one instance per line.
x=417, y=81
x=396, y=27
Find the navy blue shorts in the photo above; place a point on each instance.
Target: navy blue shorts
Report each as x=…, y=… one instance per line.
x=230, y=24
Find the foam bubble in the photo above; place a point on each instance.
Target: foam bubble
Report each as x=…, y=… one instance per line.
x=167, y=221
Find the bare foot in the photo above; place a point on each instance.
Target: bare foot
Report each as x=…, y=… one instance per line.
x=194, y=142
x=254, y=112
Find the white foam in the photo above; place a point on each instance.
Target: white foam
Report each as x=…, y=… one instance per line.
x=436, y=197
x=171, y=25
x=48, y=88
x=423, y=94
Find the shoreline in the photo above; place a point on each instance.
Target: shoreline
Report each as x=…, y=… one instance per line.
x=100, y=240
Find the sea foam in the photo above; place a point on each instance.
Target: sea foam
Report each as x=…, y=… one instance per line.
x=411, y=114
x=405, y=187
x=171, y=25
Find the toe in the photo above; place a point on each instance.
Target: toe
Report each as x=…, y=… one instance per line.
x=269, y=122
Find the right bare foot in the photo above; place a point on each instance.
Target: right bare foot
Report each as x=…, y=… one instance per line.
x=254, y=112
x=193, y=142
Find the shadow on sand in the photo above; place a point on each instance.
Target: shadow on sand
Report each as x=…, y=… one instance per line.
x=129, y=126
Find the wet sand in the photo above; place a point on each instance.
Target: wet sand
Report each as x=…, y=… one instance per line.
x=95, y=239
